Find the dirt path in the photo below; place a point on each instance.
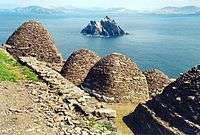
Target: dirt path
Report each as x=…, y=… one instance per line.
x=18, y=111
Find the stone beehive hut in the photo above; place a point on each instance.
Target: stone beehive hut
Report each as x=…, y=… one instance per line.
x=156, y=80
x=175, y=111
x=32, y=39
x=117, y=76
x=78, y=65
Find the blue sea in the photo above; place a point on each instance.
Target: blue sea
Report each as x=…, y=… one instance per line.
x=169, y=43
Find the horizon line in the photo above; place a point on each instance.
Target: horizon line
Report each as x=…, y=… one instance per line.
x=54, y=7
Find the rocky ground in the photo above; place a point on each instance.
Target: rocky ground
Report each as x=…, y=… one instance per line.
x=32, y=108
x=20, y=111
x=67, y=108
x=52, y=105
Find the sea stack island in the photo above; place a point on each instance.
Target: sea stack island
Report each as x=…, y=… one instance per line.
x=107, y=27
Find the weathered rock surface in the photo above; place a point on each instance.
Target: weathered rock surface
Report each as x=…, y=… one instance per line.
x=107, y=113
x=78, y=65
x=116, y=76
x=32, y=39
x=68, y=107
x=157, y=81
x=175, y=111
x=106, y=28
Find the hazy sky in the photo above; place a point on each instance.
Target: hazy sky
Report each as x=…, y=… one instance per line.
x=130, y=4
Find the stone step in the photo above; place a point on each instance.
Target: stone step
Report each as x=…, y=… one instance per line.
x=174, y=119
x=183, y=99
x=143, y=121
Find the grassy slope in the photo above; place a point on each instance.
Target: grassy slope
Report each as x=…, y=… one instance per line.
x=11, y=70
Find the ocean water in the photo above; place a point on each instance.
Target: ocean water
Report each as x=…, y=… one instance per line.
x=169, y=43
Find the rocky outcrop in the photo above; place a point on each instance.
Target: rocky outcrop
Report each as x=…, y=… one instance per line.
x=157, y=81
x=105, y=28
x=116, y=76
x=175, y=111
x=32, y=39
x=78, y=65
x=69, y=108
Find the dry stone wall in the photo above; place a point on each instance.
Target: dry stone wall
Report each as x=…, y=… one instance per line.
x=32, y=39
x=178, y=107
x=116, y=76
x=74, y=111
x=78, y=65
x=157, y=81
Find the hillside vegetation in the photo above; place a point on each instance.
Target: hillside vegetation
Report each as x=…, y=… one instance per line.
x=11, y=70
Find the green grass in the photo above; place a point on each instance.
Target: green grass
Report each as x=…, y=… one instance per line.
x=106, y=125
x=11, y=70
x=100, y=124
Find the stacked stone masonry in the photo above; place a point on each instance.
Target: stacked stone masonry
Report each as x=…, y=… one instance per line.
x=78, y=65
x=116, y=76
x=178, y=107
x=157, y=81
x=32, y=39
x=74, y=108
